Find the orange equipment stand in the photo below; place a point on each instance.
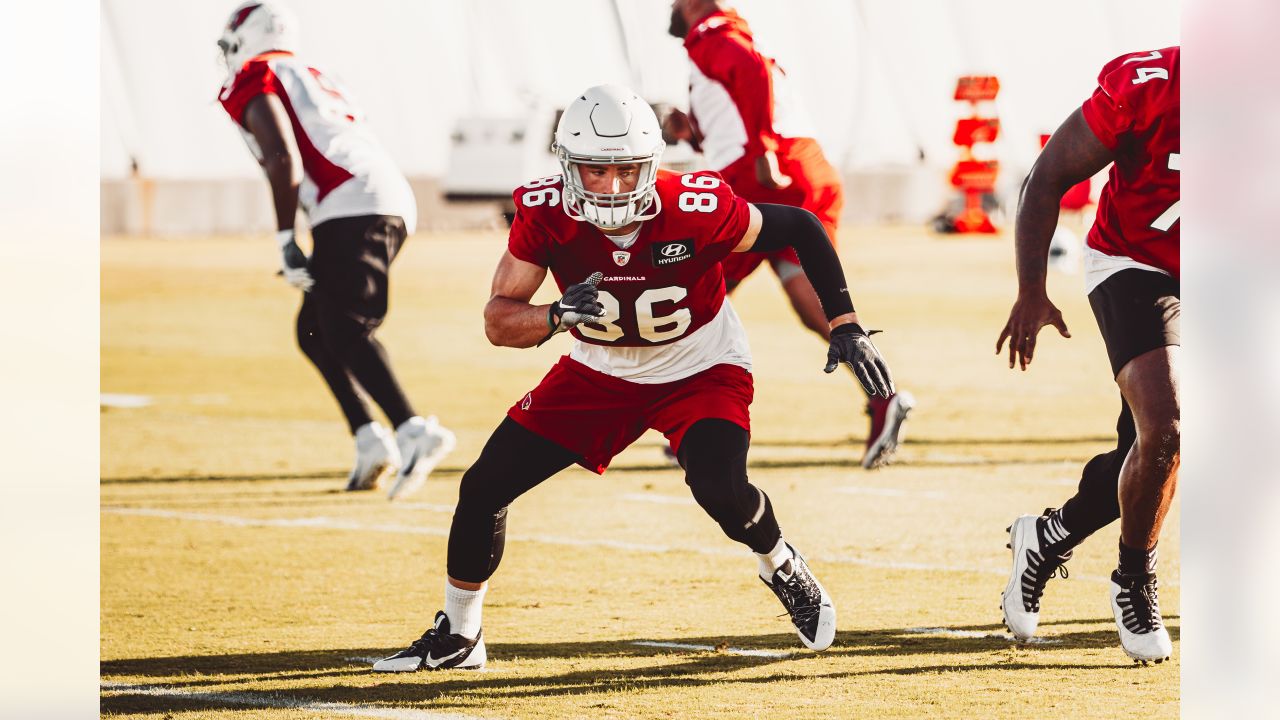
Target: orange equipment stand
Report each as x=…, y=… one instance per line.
x=972, y=176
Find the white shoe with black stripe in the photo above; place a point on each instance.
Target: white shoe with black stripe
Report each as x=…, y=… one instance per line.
x=423, y=443
x=1033, y=565
x=887, y=420
x=1137, y=612
x=437, y=649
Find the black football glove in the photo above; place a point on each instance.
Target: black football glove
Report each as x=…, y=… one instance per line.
x=851, y=345
x=580, y=303
x=293, y=262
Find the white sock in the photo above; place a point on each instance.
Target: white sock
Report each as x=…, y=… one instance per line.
x=463, y=608
x=774, y=559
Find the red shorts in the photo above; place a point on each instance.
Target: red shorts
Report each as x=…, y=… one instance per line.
x=815, y=186
x=597, y=416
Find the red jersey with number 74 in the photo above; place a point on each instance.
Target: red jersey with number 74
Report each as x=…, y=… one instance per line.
x=1135, y=113
x=666, y=316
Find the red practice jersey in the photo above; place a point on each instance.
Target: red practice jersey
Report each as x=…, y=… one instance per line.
x=346, y=172
x=739, y=98
x=1135, y=113
x=663, y=294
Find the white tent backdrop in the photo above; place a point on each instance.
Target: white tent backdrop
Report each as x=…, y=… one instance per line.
x=877, y=75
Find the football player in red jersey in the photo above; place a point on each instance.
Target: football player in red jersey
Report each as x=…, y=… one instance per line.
x=317, y=154
x=1132, y=277
x=748, y=124
x=636, y=253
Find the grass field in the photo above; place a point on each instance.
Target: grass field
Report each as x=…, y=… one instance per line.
x=238, y=581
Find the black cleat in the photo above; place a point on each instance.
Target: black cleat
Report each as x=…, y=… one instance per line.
x=437, y=649
x=810, y=608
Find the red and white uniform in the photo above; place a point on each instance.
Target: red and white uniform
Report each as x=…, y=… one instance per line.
x=346, y=172
x=1135, y=113
x=670, y=350
x=742, y=106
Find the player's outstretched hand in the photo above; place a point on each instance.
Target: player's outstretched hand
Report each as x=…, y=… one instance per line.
x=293, y=262
x=851, y=345
x=580, y=303
x=1029, y=314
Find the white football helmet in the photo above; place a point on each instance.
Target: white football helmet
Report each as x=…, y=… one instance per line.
x=609, y=125
x=254, y=28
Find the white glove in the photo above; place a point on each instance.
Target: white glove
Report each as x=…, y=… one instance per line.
x=293, y=262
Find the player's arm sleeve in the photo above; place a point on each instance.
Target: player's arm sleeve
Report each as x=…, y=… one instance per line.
x=784, y=226
x=255, y=79
x=745, y=74
x=527, y=240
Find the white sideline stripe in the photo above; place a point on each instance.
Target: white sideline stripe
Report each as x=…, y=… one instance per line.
x=124, y=400
x=979, y=634
x=130, y=400
x=891, y=492
x=328, y=523
x=731, y=651
x=271, y=700
x=658, y=499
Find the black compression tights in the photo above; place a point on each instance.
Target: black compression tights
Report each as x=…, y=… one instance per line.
x=714, y=455
x=1096, y=503
x=345, y=352
x=515, y=460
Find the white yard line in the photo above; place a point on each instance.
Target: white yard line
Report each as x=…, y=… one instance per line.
x=948, y=632
x=658, y=499
x=123, y=400
x=891, y=492
x=330, y=523
x=275, y=700
x=712, y=648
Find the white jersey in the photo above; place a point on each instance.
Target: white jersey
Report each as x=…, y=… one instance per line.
x=346, y=171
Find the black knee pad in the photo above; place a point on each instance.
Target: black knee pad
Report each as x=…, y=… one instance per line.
x=714, y=455
x=513, y=461
x=478, y=534
x=476, y=543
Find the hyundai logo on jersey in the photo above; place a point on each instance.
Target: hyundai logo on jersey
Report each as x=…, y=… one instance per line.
x=672, y=252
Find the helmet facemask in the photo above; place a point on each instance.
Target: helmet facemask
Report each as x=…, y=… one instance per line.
x=610, y=211
x=609, y=125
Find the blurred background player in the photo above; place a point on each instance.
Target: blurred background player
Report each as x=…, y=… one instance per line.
x=752, y=130
x=1132, y=277
x=656, y=345
x=318, y=155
